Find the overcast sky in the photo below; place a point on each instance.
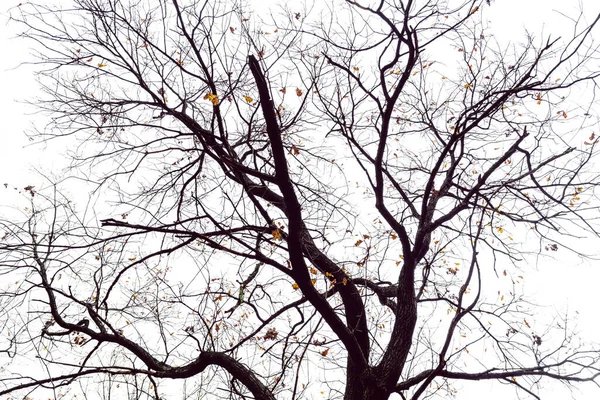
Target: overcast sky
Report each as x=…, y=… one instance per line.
x=545, y=283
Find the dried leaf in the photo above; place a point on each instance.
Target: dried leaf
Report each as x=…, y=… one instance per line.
x=298, y=92
x=213, y=98
x=276, y=234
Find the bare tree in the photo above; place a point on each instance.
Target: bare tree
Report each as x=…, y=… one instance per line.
x=288, y=205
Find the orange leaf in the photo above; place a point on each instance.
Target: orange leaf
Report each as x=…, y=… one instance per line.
x=213, y=98
x=248, y=99
x=276, y=234
x=325, y=352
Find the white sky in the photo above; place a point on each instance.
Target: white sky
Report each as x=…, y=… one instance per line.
x=510, y=18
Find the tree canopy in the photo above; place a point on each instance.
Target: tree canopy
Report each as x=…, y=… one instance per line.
x=329, y=201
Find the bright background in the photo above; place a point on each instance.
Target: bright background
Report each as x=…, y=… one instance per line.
x=561, y=284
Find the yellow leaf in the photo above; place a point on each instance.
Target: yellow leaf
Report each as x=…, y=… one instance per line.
x=313, y=281
x=474, y=10
x=101, y=65
x=213, y=98
x=248, y=99
x=468, y=85
x=499, y=229
x=355, y=68
x=276, y=234
x=295, y=286
x=298, y=92
x=313, y=270
x=132, y=259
